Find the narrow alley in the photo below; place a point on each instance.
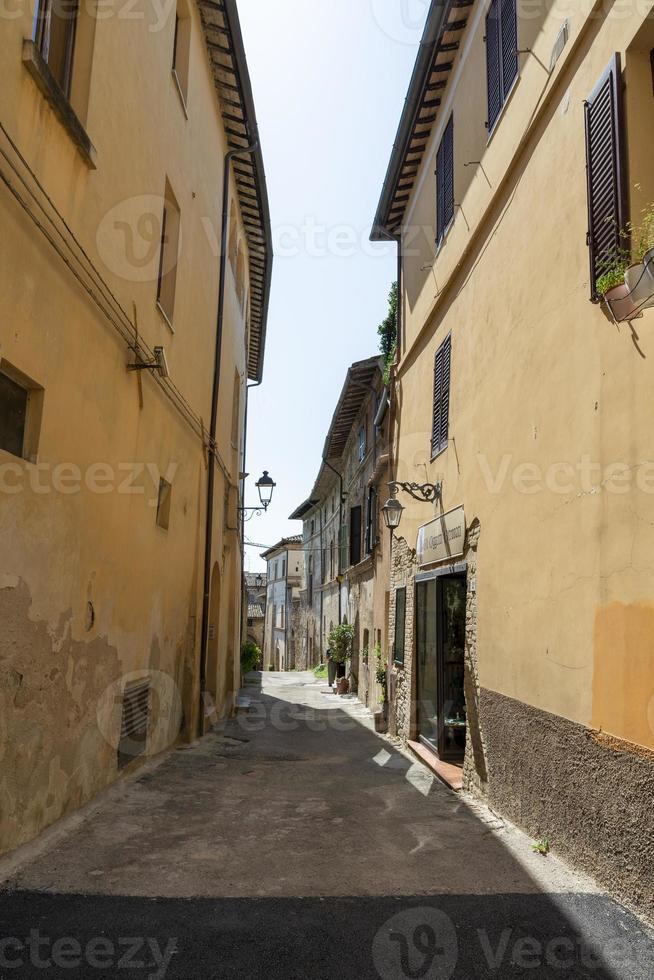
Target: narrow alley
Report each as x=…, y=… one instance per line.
x=293, y=841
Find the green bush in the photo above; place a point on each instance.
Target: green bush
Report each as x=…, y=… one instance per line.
x=250, y=656
x=320, y=672
x=340, y=643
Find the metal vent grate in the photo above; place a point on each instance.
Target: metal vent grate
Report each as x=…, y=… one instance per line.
x=134, y=721
x=559, y=44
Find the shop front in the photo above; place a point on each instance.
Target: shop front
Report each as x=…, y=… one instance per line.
x=440, y=630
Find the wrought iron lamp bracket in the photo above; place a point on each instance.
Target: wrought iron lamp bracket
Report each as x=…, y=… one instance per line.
x=424, y=492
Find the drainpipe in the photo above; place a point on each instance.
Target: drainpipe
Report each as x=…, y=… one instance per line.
x=340, y=531
x=211, y=474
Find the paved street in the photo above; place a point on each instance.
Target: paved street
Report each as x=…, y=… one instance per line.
x=296, y=843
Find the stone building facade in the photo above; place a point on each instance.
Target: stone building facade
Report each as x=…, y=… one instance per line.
x=522, y=596
x=346, y=551
x=256, y=588
x=112, y=375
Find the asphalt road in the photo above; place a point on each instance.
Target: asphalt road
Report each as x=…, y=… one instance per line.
x=296, y=843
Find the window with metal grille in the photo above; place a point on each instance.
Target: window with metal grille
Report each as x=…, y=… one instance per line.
x=372, y=535
x=400, y=625
x=501, y=55
x=441, y=407
x=445, y=182
x=13, y=415
x=355, y=536
x=605, y=173
x=134, y=721
x=56, y=22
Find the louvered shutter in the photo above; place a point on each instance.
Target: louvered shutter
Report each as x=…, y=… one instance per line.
x=509, y=45
x=441, y=410
x=445, y=393
x=605, y=171
x=436, y=416
x=445, y=181
x=493, y=63
x=440, y=198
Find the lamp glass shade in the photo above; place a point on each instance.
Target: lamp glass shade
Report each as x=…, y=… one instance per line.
x=392, y=511
x=265, y=485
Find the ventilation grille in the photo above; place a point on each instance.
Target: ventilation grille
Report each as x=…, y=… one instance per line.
x=560, y=43
x=134, y=722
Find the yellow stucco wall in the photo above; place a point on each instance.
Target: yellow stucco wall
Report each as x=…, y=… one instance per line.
x=59, y=549
x=543, y=384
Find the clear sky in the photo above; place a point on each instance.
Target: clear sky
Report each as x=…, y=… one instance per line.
x=329, y=80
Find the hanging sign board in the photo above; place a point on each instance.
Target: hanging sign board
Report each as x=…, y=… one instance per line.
x=443, y=538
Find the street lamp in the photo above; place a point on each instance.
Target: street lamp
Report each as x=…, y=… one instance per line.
x=392, y=511
x=265, y=485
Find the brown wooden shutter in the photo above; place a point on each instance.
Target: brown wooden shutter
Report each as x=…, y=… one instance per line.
x=509, y=31
x=493, y=63
x=445, y=181
x=441, y=409
x=605, y=171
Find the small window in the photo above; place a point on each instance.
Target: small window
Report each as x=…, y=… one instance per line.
x=501, y=55
x=445, y=182
x=56, y=21
x=284, y=568
x=362, y=443
x=168, y=255
x=163, y=504
x=21, y=404
x=400, y=625
x=181, y=50
x=441, y=407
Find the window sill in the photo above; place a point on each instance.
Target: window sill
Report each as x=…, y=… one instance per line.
x=38, y=69
x=440, y=452
x=509, y=95
x=179, y=92
x=164, y=316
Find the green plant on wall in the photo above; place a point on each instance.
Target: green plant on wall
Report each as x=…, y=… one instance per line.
x=340, y=643
x=380, y=672
x=250, y=656
x=638, y=239
x=612, y=269
x=387, y=331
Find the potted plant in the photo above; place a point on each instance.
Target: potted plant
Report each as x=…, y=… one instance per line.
x=639, y=277
x=340, y=645
x=611, y=285
x=381, y=676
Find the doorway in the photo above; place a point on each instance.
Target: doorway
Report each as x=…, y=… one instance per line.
x=440, y=649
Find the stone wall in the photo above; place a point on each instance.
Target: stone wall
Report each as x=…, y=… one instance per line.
x=401, y=709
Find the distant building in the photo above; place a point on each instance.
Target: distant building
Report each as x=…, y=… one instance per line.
x=285, y=571
x=256, y=586
x=346, y=558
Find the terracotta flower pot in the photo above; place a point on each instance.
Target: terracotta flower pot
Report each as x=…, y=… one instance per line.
x=640, y=284
x=342, y=685
x=620, y=303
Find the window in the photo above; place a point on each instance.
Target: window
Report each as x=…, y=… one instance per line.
x=284, y=568
x=236, y=409
x=355, y=536
x=282, y=617
x=362, y=443
x=445, y=182
x=605, y=172
x=501, y=55
x=163, y=504
x=441, y=408
x=343, y=548
x=372, y=535
x=181, y=50
x=21, y=403
x=400, y=625
x=168, y=255
x=56, y=22
x=331, y=559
